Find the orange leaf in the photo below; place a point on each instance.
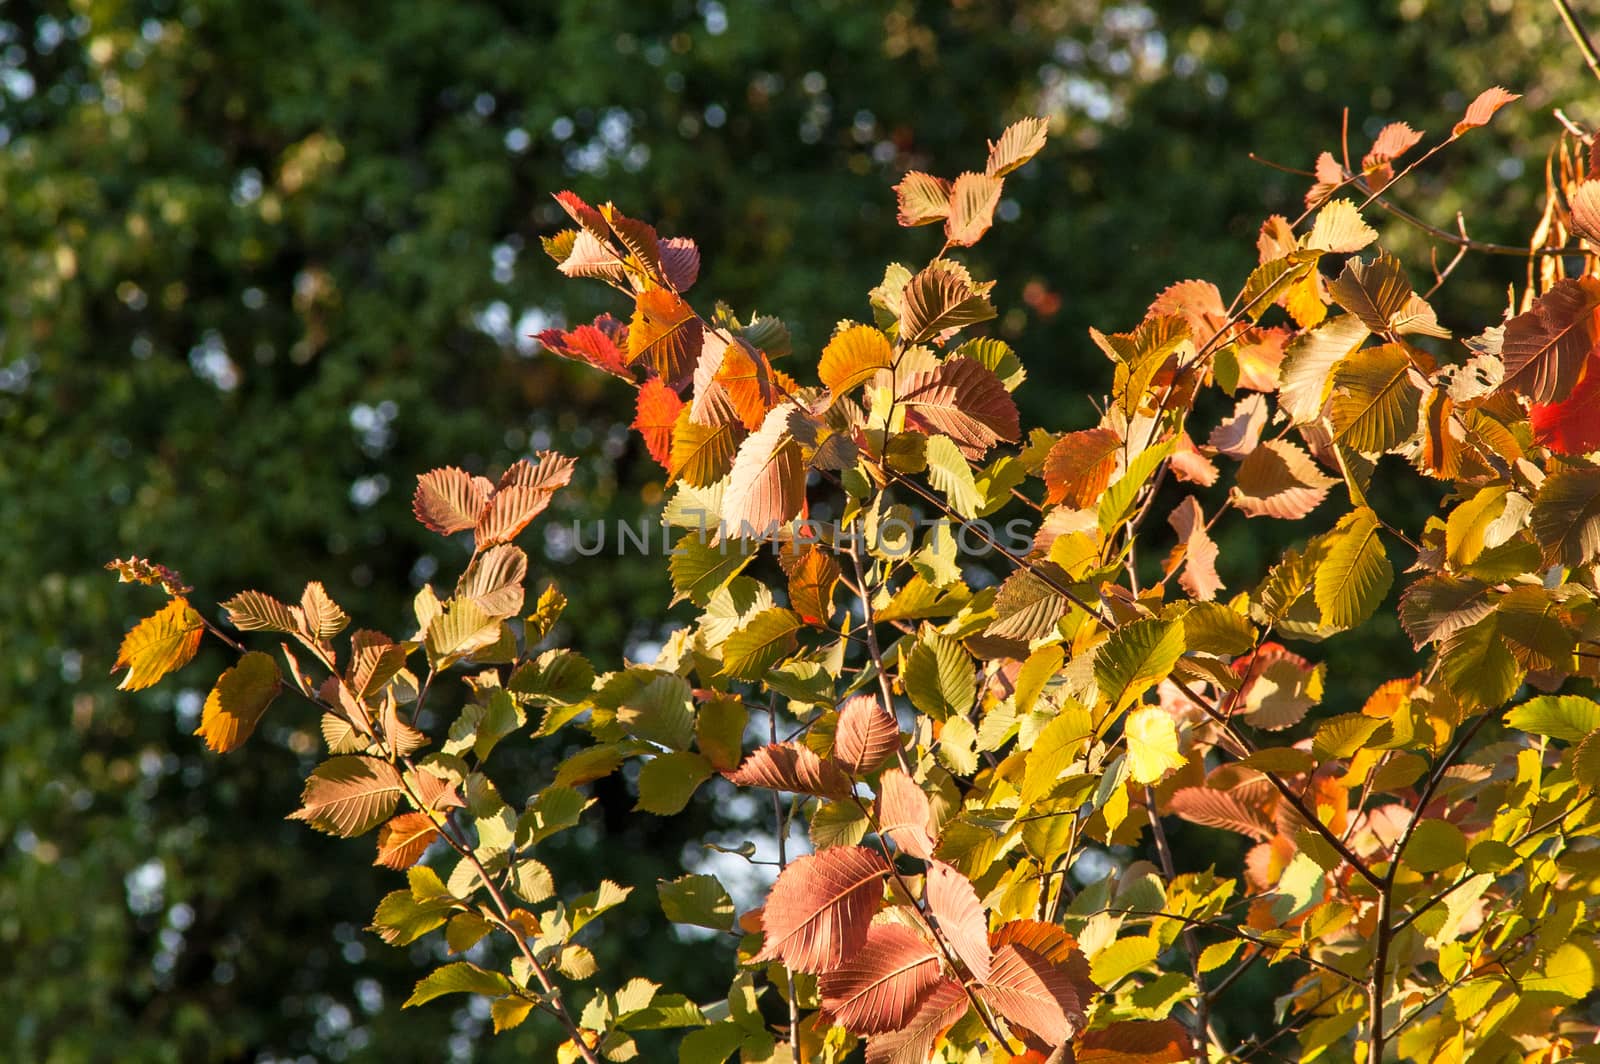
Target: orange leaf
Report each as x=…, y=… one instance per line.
x=1278, y=479
x=866, y=734
x=964, y=400
x=349, y=795
x=811, y=584
x=665, y=335
x=1483, y=108
x=880, y=986
x=821, y=907
x=1021, y=141
x=236, y=703
x=524, y=491
x=973, y=199
x=657, y=411
x=1079, y=466
x=1196, y=551
x=401, y=841
x=600, y=345
x=1220, y=809
x=853, y=356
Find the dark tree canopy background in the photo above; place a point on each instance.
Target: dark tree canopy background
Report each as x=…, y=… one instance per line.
x=260, y=263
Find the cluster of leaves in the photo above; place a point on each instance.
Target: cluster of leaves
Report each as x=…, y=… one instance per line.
x=1421, y=864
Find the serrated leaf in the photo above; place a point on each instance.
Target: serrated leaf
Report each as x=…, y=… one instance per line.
x=962, y=399
x=1354, y=574
x=1566, y=516
x=852, y=357
x=953, y=901
x=1135, y=658
x=866, y=735
x=160, y=644
x=791, y=767
x=973, y=199
x=349, y=795
x=668, y=781
x=450, y=500
x=1080, y=465
x=1340, y=229
x=950, y=475
x=1278, y=479
x=402, y=840
x=1021, y=141
x=664, y=335
x=880, y=986
x=1308, y=361
x=821, y=907
x=940, y=299
x=253, y=611
x=1117, y=504
x=939, y=677
x=1375, y=402
x=923, y=199
x=760, y=643
x=696, y=899
x=1033, y=994
x=1570, y=718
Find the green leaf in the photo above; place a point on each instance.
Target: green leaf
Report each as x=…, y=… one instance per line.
x=700, y=568
x=1122, y=958
x=1566, y=516
x=1354, y=574
x=939, y=677
x=659, y=709
x=666, y=783
x=501, y=717
x=1569, y=718
x=1435, y=846
x=1135, y=658
x=1116, y=505
x=555, y=809
x=1299, y=888
x=761, y=643
x=696, y=899
x=461, y=977
x=1375, y=402
x=950, y=475
x=1478, y=667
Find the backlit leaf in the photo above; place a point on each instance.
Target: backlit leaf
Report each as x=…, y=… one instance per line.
x=853, y=356
x=402, y=841
x=953, y=901
x=811, y=585
x=1021, y=141
x=696, y=899
x=1340, y=229
x=794, y=768
x=904, y=813
x=880, y=986
x=1080, y=465
x=941, y=299
x=761, y=643
x=1545, y=348
x=234, y=706
x=460, y=977
x=821, y=908
x=1305, y=375
x=161, y=643
x=1570, y=718
x=1033, y=994
x=349, y=795
x=253, y=611
x=866, y=735
x=1379, y=294
x=450, y=500
x=1354, y=574
x=1375, y=401
x=1198, y=551
x=1483, y=108
x=1138, y=1042
x=656, y=414
x=939, y=677
x=973, y=199
x=665, y=335
x=945, y=1004
x=1278, y=479
x=949, y=474
x=1136, y=658
x=923, y=199
x=767, y=484
x=963, y=400
x=668, y=781
x=1152, y=745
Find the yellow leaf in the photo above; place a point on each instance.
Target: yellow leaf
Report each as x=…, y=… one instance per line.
x=236, y=703
x=1152, y=745
x=161, y=643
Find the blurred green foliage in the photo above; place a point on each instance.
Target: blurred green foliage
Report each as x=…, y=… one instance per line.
x=264, y=262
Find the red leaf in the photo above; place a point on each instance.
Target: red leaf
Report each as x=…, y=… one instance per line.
x=821, y=907
x=964, y=400
x=1572, y=426
x=880, y=986
x=945, y=1004
x=903, y=813
x=657, y=412
x=1137, y=1042
x=1034, y=994
x=1483, y=108
x=1544, y=349
x=401, y=841
x=450, y=500
x=811, y=584
x=600, y=345
x=1049, y=941
x=1079, y=466
x=954, y=903
x=791, y=767
x=866, y=734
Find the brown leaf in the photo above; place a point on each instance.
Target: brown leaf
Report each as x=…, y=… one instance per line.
x=1544, y=349
x=1033, y=994
x=767, y=485
x=880, y=986
x=1239, y=433
x=525, y=490
x=821, y=908
x=904, y=813
x=450, y=500
x=1021, y=141
x=923, y=198
x=1221, y=809
x=940, y=300
x=964, y=400
x=973, y=199
x=1394, y=140
x=791, y=767
x=1137, y=1042
x=402, y=841
x=1278, y=479
x=865, y=736
x=1585, y=205
x=953, y=901
x=349, y=795
x=1379, y=293
x=1196, y=551
x=680, y=262
x=253, y=611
